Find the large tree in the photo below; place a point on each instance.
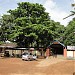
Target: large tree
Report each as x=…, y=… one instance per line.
x=59, y=32
x=6, y=27
x=29, y=25
x=69, y=35
x=32, y=25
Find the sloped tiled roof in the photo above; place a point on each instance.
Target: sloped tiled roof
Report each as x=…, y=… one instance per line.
x=57, y=42
x=8, y=45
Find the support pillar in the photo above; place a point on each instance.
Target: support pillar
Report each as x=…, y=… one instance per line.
x=47, y=52
x=65, y=52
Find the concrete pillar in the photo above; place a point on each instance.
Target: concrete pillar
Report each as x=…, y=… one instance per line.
x=47, y=52
x=73, y=54
x=65, y=52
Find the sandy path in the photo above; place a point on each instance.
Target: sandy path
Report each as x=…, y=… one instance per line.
x=52, y=66
x=48, y=62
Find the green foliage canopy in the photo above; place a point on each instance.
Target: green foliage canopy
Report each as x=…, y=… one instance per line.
x=29, y=25
x=69, y=34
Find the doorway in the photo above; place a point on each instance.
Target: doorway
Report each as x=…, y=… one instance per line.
x=57, y=49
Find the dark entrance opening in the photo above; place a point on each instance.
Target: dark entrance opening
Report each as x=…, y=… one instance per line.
x=57, y=49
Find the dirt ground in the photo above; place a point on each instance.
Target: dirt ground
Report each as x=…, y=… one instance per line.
x=50, y=66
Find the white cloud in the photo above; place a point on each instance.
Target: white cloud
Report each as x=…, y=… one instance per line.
x=56, y=13
x=50, y=4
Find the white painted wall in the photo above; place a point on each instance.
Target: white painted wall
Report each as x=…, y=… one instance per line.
x=69, y=53
x=74, y=54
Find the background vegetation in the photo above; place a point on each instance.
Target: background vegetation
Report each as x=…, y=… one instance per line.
x=30, y=26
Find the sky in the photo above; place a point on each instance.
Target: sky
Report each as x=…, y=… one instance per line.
x=57, y=9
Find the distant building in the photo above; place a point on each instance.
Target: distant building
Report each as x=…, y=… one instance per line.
x=56, y=48
x=71, y=51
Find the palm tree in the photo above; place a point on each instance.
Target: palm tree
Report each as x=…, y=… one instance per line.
x=72, y=12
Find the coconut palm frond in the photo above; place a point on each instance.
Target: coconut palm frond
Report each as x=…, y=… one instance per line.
x=72, y=5
x=68, y=16
x=73, y=13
